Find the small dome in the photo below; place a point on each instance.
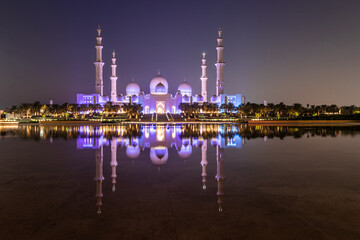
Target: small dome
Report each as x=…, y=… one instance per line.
x=214, y=98
x=185, y=151
x=120, y=98
x=185, y=88
x=185, y=98
x=132, y=151
x=159, y=155
x=156, y=80
x=132, y=89
x=160, y=88
x=200, y=98
x=134, y=98
x=214, y=141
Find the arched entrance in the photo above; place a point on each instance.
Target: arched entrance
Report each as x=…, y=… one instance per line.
x=160, y=107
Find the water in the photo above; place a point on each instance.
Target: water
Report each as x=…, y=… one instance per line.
x=180, y=182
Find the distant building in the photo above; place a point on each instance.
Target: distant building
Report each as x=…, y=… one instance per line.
x=159, y=100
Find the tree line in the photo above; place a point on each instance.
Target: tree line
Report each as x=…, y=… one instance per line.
x=246, y=111
x=66, y=110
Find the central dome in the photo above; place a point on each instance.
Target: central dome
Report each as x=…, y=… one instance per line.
x=156, y=80
x=160, y=89
x=159, y=155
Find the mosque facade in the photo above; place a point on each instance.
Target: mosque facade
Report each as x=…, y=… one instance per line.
x=158, y=100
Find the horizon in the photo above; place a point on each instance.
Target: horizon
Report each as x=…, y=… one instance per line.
x=298, y=52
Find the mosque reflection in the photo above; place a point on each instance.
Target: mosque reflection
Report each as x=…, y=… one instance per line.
x=134, y=139
x=158, y=139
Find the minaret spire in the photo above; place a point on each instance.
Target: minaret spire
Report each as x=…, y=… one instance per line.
x=99, y=177
x=203, y=77
x=113, y=162
x=220, y=175
x=113, y=78
x=204, y=163
x=99, y=84
x=220, y=65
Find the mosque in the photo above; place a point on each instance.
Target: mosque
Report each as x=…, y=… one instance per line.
x=159, y=100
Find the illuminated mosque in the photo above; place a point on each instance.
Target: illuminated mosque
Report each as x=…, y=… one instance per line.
x=159, y=100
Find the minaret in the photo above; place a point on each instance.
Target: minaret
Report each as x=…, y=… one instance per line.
x=113, y=78
x=219, y=66
x=99, y=84
x=204, y=163
x=99, y=177
x=113, y=163
x=220, y=175
x=203, y=78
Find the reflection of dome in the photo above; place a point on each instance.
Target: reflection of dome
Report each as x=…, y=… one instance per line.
x=185, y=98
x=214, y=98
x=214, y=141
x=185, y=151
x=159, y=155
x=156, y=80
x=160, y=88
x=132, y=88
x=185, y=88
x=132, y=152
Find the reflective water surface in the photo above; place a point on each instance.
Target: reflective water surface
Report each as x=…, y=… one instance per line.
x=180, y=182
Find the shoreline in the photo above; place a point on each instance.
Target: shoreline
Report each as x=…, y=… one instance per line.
x=251, y=123
x=304, y=122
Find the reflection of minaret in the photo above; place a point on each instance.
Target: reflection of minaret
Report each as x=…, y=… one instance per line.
x=204, y=163
x=113, y=163
x=220, y=175
x=203, y=78
x=220, y=66
x=113, y=78
x=99, y=177
x=99, y=64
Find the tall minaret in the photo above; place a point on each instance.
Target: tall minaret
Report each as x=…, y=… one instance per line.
x=99, y=177
x=113, y=78
x=99, y=84
x=203, y=78
x=204, y=163
x=220, y=66
x=113, y=162
x=220, y=175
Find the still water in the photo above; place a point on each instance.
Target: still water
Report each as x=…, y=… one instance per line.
x=180, y=182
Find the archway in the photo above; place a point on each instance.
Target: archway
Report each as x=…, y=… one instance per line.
x=147, y=110
x=160, y=107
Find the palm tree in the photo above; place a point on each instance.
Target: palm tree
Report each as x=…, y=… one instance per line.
x=132, y=110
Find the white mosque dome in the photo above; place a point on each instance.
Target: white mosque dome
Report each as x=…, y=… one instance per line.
x=132, y=89
x=132, y=152
x=185, y=98
x=159, y=155
x=156, y=80
x=185, y=151
x=214, y=141
x=185, y=88
x=160, y=88
x=134, y=98
x=214, y=98
x=200, y=98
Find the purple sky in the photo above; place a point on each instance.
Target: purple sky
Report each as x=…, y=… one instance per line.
x=292, y=51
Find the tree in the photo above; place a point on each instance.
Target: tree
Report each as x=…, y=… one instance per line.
x=132, y=110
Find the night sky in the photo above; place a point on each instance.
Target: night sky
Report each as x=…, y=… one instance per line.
x=291, y=51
